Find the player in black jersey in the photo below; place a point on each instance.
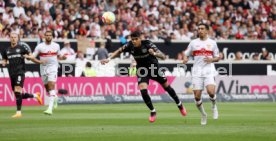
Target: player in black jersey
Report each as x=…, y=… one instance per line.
x=14, y=55
x=145, y=54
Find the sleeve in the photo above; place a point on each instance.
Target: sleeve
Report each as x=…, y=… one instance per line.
x=58, y=50
x=126, y=47
x=215, y=50
x=188, y=51
x=4, y=55
x=27, y=49
x=151, y=45
x=36, y=51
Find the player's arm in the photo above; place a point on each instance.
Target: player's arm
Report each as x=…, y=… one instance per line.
x=60, y=56
x=157, y=53
x=187, y=53
x=4, y=59
x=31, y=57
x=113, y=55
x=153, y=50
x=124, y=48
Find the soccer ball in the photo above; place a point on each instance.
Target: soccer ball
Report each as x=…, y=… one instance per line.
x=108, y=17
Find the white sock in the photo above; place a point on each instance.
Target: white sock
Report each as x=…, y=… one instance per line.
x=51, y=102
x=213, y=101
x=200, y=107
x=35, y=95
x=18, y=112
x=153, y=110
x=179, y=103
x=52, y=99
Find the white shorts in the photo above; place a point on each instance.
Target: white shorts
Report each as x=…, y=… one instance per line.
x=200, y=82
x=48, y=74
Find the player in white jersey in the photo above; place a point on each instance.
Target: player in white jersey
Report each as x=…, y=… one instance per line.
x=204, y=52
x=49, y=53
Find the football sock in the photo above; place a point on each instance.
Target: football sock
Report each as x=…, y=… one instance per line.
x=26, y=95
x=52, y=99
x=147, y=99
x=200, y=107
x=172, y=93
x=18, y=100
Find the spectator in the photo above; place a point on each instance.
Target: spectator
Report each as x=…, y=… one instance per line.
x=102, y=52
x=80, y=63
x=132, y=71
x=255, y=56
x=221, y=56
x=68, y=51
x=89, y=71
x=90, y=51
x=238, y=56
x=18, y=10
x=265, y=54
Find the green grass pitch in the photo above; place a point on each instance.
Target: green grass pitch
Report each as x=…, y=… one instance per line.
x=129, y=122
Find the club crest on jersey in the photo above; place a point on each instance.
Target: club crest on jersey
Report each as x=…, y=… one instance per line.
x=144, y=50
x=17, y=50
x=208, y=46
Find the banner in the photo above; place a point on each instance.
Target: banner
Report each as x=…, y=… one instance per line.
x=125, y=90
x=31, y=85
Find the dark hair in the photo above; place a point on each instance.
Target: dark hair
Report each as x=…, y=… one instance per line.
x=135, y=34
x=204, y=24
x=88, y=64
x=49, y=31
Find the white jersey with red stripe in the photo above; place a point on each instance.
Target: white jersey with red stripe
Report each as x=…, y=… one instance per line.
x=199, y=49
x=48, y=52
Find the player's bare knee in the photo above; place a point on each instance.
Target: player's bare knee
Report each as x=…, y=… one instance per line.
x=17, y=89
x=143, y=86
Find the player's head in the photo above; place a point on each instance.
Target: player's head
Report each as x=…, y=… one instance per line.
x=14, y=37
x=48, y=35
x=136, y=38
x=203, y=30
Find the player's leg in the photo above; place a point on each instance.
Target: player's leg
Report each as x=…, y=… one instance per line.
x=18, y=96
x=17, y=84
x=27, y=95
x=51, y=78
x=143, y=86
x=211, y=90
x=52, y=96
x=163, y=81
x=197, y=89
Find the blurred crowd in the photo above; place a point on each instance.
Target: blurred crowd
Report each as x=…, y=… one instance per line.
x=157, y=19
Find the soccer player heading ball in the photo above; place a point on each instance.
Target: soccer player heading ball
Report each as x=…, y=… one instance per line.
x=145, y=54
x=204, y=51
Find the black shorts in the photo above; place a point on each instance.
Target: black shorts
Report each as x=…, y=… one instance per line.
x=17, y=80
x=144, y=75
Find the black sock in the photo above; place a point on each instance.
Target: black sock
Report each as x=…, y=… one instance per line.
x=18, y=100
x=172, y=93
x=26, y=95
x=146, y=98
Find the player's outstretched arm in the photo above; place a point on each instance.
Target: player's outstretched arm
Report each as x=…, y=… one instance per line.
x=157, y=54
x=114, y=54
x=33, y=59
x=60, y=57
